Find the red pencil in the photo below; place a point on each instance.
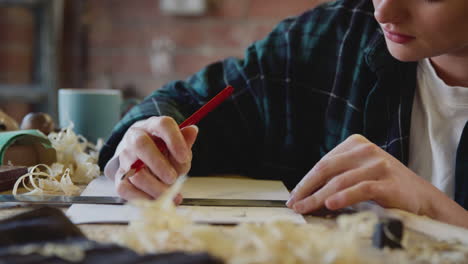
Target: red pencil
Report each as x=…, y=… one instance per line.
x=192, y=120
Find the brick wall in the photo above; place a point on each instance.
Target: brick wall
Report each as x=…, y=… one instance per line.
x=134, y=43
x=121, y=43
x=16, y=54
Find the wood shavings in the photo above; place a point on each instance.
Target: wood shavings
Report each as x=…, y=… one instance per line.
x=71, y=253
x=77, y=154
x=76, y=164
x=440, y=252
x=275, y=242
x=163, y=229
x=48, y=182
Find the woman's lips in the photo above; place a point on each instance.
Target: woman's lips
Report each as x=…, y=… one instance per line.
x=397, y=37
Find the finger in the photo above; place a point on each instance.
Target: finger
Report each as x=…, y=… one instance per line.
x=178, y=199
x=335, y=185
x=167, y=129
x=345, y=146
x=349, y=143
x=330, y=166
x=146, y=182
x=322, y=172
x=367, y=190
x=129, y=192
x=126, y=159
x=145, y=150
x=181, y=168
x=119, y=176
x=190, y=134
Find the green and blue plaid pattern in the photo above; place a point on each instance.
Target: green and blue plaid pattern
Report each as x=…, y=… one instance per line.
x=312, y=82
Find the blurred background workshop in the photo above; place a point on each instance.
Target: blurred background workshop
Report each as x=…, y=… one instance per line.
x=55, y=52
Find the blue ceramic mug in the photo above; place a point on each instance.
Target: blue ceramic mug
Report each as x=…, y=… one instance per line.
x=93, y=112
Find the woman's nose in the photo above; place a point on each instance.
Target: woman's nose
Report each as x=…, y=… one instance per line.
x=390, y=11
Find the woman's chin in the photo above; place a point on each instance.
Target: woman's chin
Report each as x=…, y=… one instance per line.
x=405, y=52
x=405, y=55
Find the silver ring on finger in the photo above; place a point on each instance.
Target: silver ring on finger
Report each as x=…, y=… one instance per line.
x=128, y=173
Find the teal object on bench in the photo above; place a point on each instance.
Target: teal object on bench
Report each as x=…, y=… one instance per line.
x=41, y=143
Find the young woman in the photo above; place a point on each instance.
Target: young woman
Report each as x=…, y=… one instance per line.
x=355, y=100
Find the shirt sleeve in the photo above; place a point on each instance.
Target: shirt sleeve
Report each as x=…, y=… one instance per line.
x=112, y=166
x=297, y=93
x=230, y=137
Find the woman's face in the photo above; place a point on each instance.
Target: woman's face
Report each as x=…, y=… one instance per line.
x=417, y=29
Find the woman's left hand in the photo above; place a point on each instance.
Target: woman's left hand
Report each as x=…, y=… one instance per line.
x=358, y=170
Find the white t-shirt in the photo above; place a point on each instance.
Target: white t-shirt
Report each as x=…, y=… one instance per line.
x=439, y=115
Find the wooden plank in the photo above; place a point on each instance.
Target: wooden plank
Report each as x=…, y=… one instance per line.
x=432, y=228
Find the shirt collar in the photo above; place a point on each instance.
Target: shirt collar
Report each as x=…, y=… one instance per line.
x=387, y=115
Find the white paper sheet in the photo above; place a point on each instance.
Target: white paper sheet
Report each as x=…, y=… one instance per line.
x=194, y=187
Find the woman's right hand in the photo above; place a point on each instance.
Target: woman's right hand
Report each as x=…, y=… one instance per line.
x=160, y=170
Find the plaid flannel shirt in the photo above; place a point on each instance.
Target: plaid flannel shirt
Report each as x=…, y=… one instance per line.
x=313, y=81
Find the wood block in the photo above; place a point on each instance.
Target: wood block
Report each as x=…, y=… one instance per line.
x=21, y=155
x=9, y=175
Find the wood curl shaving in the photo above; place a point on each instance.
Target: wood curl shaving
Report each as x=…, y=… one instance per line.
x=50, y=181
x=163, y=229
x=76, y=164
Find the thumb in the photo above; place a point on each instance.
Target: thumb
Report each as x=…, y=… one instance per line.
x=190, y=134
